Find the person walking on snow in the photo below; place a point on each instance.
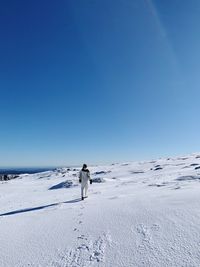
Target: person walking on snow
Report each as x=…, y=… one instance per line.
x=84, y=178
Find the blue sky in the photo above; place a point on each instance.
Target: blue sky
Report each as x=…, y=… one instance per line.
x=98, y=81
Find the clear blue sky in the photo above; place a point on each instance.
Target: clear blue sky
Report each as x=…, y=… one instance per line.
x=98, y=80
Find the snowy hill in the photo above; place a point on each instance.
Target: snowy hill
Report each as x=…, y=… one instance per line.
x=137, y=214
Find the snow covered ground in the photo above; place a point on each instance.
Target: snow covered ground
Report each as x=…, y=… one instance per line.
x=137, y=214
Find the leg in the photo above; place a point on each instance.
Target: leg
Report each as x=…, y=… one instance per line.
x=86, y=189
x=82, y=188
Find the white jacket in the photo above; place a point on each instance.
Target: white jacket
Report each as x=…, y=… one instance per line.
x=85, y=177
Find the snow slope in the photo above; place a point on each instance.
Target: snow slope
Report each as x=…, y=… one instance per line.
x=137, y=214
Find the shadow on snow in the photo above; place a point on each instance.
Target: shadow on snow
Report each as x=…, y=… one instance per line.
x=39, y=208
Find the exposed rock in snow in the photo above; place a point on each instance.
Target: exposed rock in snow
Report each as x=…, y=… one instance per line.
x=158, y=168
x=65, y=184
x=188, y=178
x=98, y=180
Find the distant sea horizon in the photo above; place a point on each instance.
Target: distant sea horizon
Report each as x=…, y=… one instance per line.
x=31, y=170
x=24, y=170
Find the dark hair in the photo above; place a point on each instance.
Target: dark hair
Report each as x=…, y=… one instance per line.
x=84, y=166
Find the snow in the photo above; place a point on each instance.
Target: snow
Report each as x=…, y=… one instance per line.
x=137, y=214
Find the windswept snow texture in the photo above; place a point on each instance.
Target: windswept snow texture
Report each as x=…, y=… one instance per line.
x=137, y=214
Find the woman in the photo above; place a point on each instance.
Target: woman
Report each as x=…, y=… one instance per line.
x=84, y=177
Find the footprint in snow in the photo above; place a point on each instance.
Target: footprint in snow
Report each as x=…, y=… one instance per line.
x=144, y=232
x=147, y=234
x=96, y=193
x=114, y=197
x=82, y=237
x=155, y=227
x=88, y=253
x=177, y=187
